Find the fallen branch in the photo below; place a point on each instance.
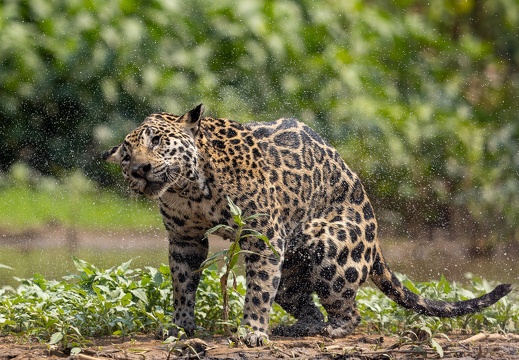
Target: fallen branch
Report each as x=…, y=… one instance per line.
x=397, y=351
x=87, y=357
x=490, y=337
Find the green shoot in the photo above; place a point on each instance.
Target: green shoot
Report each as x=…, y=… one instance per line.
x=231, y=255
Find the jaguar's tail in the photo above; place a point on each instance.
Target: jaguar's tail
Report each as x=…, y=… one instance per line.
x=386, y=281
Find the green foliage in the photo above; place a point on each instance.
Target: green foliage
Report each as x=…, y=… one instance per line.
x=26, y=261
x=210, y=302
x=419, y=96
x=121, y=300
x=115, y=301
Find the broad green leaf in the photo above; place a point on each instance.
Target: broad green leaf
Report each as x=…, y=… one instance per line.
x=436, y=347
x=79, y=264
x=444, y=285
x=124, y=266
x=411, y=286
x=56, y=338
x=140, y=294
x=158, y=279
x=164, y=269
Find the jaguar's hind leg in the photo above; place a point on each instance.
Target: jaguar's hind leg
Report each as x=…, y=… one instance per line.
x=342, y=261
x=295, y=296
x=310, y=321
x=342, y=322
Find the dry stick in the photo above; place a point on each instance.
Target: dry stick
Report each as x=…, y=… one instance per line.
x=416, y=352
x=87, y=357
x=481, y=336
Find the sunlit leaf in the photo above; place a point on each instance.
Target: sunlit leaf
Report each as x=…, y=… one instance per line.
x=140, y=294
x=218, y=227
x=436, y=346
x=56, y=338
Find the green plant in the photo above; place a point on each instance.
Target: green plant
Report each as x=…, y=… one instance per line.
x=93, y=302
x=98, y=302
x=230, y=256
x=121, y=300
x=209, y=300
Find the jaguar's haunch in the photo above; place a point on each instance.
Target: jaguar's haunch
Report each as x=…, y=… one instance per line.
x=319, y=219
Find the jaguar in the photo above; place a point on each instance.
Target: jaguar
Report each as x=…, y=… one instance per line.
x=319, y=220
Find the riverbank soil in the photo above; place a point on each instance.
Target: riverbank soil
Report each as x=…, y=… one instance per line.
x=358, y=346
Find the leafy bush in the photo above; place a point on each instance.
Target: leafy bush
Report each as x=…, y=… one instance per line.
x=119, y=301
x=115, y=301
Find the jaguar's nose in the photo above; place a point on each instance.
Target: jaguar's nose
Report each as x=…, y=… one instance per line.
x=140, y=171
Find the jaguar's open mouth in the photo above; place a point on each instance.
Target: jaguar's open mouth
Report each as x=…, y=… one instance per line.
x=153, y=189
x=150, y=189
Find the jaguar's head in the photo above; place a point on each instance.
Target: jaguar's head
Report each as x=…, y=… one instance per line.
x=160, y=154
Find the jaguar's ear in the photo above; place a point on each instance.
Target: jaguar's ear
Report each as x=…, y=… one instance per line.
x=114, y=155
x=191, y=119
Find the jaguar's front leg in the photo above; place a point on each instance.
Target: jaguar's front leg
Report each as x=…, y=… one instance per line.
x=185, y=257
x=263, y=274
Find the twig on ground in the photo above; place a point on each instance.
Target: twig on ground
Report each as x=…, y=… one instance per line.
x=490, y=337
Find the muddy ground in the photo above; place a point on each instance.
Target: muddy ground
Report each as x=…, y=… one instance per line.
x=357, y=346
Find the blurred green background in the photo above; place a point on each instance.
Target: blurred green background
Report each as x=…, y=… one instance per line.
x=420, y=97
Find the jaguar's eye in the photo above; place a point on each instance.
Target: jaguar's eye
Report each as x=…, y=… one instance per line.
x=155, y=140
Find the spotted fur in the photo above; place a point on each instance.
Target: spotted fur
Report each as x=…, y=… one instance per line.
x=319, y=220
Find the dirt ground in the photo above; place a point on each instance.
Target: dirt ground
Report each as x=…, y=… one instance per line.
x=359, y=346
